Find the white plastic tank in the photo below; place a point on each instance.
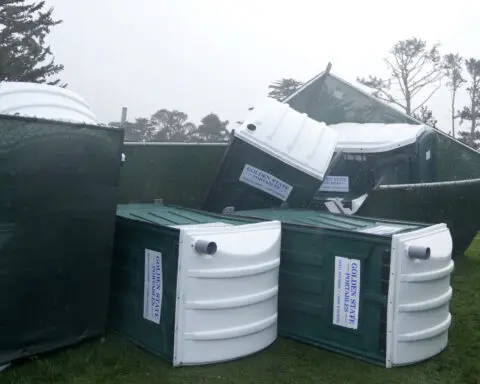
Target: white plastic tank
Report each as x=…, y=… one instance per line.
x=44, y=101
x=418, y=317
x=226, y=304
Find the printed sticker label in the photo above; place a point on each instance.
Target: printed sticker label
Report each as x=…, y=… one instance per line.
x=152, y=298
x=335, y=184
x=382, y=230
x=265, y=182
x=346, y=300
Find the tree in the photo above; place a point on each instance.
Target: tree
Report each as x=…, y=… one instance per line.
x=212, y=129
x=452, y=66
x=171, y=126
x=425, y=115
x=138, y=131
x=472, y=111
x=281, y=89
x=414, y=68
x=24, y=55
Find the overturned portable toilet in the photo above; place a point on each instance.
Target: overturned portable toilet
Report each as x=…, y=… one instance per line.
x=194, y=288
x=58, y=196
x=378, y=154
x=278, y=156
x=375, y=290
x=44, y=101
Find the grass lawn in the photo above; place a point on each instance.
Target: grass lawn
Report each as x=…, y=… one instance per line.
x=116, y=361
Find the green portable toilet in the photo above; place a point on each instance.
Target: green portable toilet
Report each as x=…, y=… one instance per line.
x=277, y=156
x=194, y=288
x=375, y=290
x=378, y=154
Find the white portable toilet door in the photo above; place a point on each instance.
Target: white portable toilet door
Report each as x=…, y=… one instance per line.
x=419, y=294
x=227, y=292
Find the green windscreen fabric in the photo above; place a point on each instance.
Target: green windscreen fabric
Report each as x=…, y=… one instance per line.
x=456, y=161
x=180, y=174
x=455, y=203
x=58, y=197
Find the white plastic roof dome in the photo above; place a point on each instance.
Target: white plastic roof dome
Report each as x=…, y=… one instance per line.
x=376, y=137
x=290, y=136
x=44, y=101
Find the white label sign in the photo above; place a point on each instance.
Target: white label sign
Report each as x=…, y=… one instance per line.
x=265, y=182
x=382, y=230
x=152, y=297
x=335, y=184
x=346, y=299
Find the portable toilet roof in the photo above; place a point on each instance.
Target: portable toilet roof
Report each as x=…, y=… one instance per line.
x=192, y=287
x=376, y=137
x=44, y=101
x=289, y=136
x=277, y=156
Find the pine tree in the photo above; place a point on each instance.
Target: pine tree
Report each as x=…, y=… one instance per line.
x=212, y=129
x=415, y=72
x=471, y=112
x=281, y=89
x=24, y=55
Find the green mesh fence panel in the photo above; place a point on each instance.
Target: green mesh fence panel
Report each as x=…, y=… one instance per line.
x=456, y=161
x=455, y=203
x=58, y=196
x=179, y=173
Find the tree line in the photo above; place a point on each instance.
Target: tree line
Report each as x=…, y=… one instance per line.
x=416, y=71
x=174, y=126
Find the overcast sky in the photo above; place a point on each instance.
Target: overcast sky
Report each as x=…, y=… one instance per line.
x=202, y=56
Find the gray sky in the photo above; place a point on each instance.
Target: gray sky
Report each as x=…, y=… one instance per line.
x=202, y=56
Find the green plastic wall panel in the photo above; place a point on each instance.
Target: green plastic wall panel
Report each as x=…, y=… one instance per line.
x=227, y=190
x=306, y=291
x=455, y=203
x=179, y=173
x=310, y=242
x=127, y=295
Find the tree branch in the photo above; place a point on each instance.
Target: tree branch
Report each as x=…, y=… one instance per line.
x=428, y=98
x=429, y=78
x=389, y=98
x=417, y=66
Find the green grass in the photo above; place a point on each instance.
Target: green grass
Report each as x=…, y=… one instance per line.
x=114, y=360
